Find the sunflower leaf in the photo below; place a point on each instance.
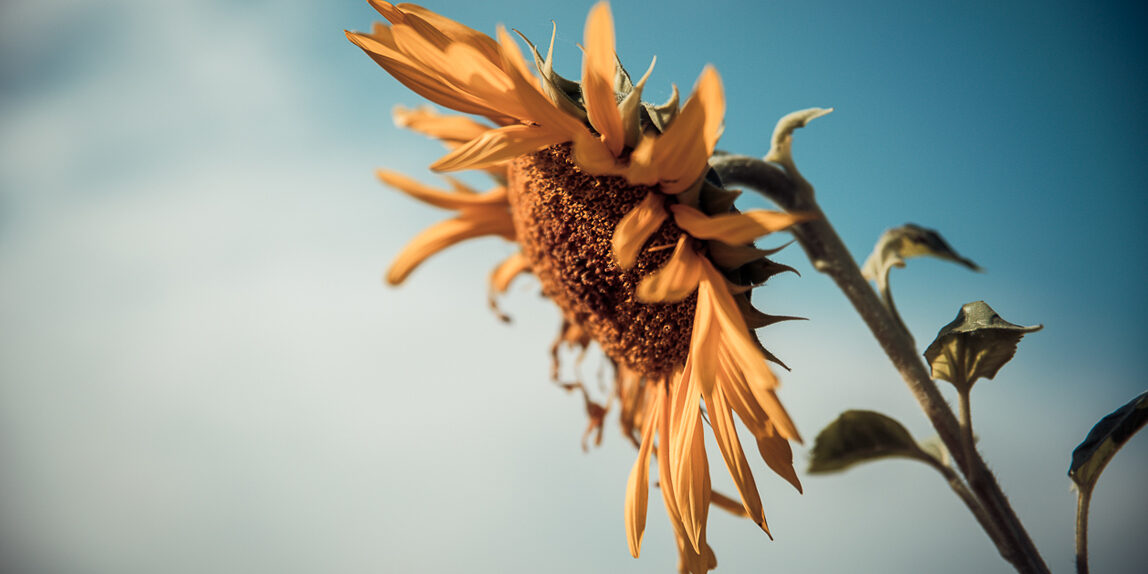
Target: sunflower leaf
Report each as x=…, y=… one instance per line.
x=900, y=243
x=974, y=345
x=861, y=436
x=1090, y=458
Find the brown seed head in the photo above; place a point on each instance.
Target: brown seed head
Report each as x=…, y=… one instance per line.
x=565, y=221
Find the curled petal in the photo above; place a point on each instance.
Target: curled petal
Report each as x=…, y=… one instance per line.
x=501, y=277
x=734, y=228
x=636, y=227
x=676, y=279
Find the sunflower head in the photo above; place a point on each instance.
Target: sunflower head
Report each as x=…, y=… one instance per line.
x=615, y=210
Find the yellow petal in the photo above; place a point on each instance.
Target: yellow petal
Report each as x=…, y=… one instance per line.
x=636, y=227
x=638, y=485
x=776, y=453
x=455, y=30
x=681, y=154
x=498, y=146
x=461, y=197
x=725, y=434
x=743, y=353
x=691, y=469
x=476, y=222
x=451, y=129
x=536, y=106
x=598, y=78
x=593, y=157
x=734, y=228
x=712, y=100
x=676, y=279
x=411, y=75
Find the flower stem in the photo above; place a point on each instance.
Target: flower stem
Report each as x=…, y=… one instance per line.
x=1084, y=497
x=829, y=255
x=968, y=443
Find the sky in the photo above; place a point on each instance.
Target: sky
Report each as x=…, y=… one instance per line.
x=202, y=371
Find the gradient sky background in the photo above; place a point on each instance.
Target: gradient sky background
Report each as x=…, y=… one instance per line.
x=200, y=370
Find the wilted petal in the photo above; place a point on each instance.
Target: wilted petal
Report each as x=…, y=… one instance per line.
x=501, y=277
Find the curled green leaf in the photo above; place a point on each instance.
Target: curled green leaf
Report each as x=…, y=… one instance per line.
x=975, y=345
x=1090, y=458
x=860, y=436
x=900, y=243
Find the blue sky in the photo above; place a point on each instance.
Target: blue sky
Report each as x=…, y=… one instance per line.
x=200, y=369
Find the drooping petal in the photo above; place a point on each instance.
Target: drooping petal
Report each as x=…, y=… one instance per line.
x=690, y=466
x=498, y=146
x=734, y=228
x=676, y=279
x=474, y=222
x=744, y=357
x=777, y=453
x=636, y=227
x=638, y=485
x=598, y=77
x=725, y=433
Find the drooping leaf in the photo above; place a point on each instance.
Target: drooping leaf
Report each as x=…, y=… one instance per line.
x=860, y=436
x=974, y=345
x=1090, y=458
x=901, y=243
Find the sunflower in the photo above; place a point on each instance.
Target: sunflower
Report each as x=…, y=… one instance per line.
x=616, y=211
